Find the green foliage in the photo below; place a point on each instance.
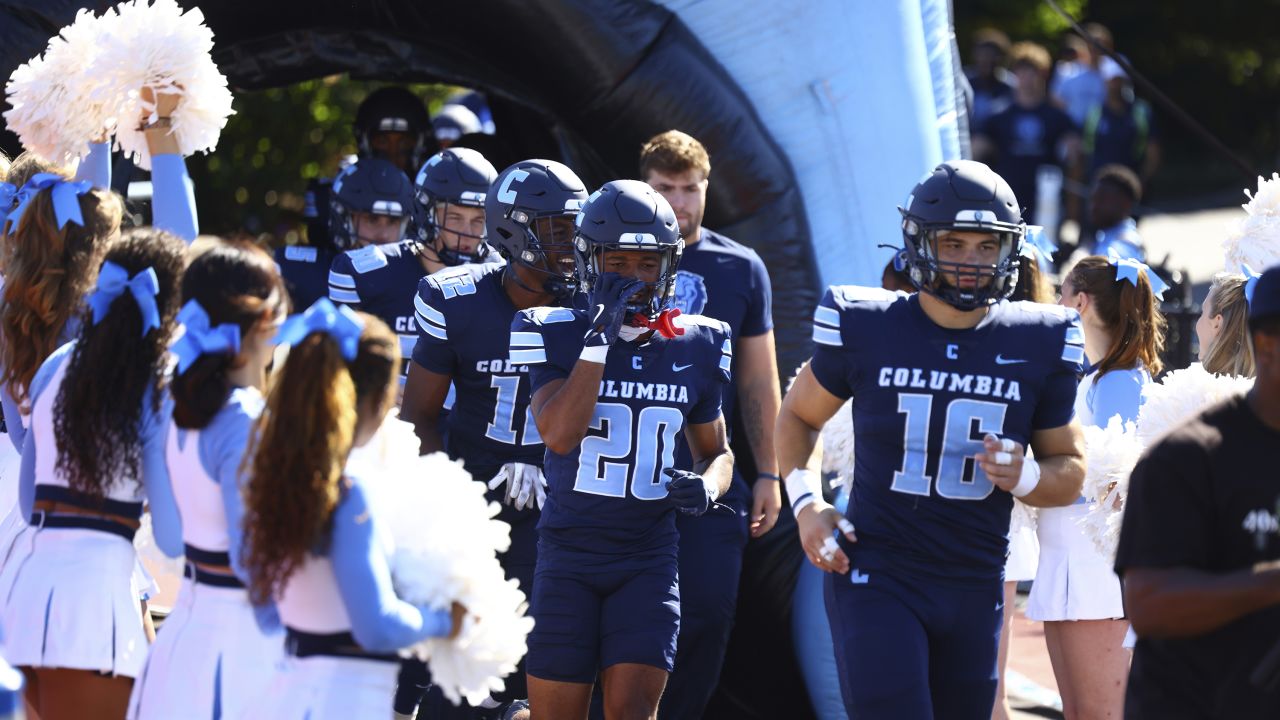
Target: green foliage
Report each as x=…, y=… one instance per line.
x=278, y=140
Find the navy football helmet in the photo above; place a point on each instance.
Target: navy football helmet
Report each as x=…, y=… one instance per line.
x=393, y=109
x=968, y=196
x=457, y=176
x=373, y=186
x=629, y=215
x=521, y=212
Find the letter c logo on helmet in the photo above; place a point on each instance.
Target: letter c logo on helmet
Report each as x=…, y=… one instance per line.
x=505, y=193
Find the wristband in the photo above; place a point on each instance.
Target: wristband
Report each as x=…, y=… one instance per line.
x=770, y=476
x=804, y=487
x=595, y=353
x=1029, y=478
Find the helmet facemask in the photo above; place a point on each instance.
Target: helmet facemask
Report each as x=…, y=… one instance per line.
x=661, y=292
x=433, y=235
x=548, y=251
x=990, y=282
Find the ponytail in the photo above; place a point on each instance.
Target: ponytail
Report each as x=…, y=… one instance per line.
x=300, y=447
x=1130, y=312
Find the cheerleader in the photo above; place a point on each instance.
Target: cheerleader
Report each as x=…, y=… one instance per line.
x=1076, y=592
x=213, y=657
x=1222, y=331
x=94, y=454
x=313, y=542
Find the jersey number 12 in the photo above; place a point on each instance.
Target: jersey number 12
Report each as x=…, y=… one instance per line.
x=959, y=477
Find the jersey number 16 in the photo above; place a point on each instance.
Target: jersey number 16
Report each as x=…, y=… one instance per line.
x=959, y=477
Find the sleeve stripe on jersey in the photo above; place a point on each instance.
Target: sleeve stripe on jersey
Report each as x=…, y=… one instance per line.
x=1073, y=354
x=337, y=279
x=526, y=340
x=407, y=343
x=826, y=316
x=337, y=294
x=826, y=336
x=431, y=329
x=527, y=357
x=725, y=363
x=429, y=312
x=1075, y=335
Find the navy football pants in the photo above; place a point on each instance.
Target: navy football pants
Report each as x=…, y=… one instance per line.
x=911, y=648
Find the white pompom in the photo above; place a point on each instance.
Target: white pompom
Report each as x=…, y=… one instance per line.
x=447, y=541
x=1110, y=454
x=1254, y=240
x=144, y=543
x=57, y=107
x=169, y=50
x=1180, y=395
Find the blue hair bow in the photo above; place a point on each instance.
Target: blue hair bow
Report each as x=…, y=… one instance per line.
x=8, y=195
x=66, y=204
x=199, y=339
x=113, y=280
x=1129, y=269
x=339, y=323
x=1250, y=283
x=1045, y=248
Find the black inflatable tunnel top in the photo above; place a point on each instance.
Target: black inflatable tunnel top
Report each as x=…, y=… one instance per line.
x=604, y=74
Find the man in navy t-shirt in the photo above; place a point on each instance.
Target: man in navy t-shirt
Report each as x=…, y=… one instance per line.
x=1030, y=133
x=950, y=386
x=614, y=386
x=721, y=279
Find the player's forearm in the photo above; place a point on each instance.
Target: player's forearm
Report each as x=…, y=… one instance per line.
x=795, y=441
x=1061, y=477
x=760, y=402
x=563, y=419
x=717, y=468
x=1181, y=602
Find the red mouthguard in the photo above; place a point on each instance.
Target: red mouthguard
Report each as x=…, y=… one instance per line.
x=665, y=324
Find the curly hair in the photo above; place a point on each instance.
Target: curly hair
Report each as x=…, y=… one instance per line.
x=300, y=447
x=1131, y=312
x=47, y=272
x=238, y=283
x=98, y=410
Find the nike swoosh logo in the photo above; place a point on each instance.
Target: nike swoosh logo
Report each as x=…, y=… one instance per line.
x=1001, y=360
x=599, y=311
x=677, y=368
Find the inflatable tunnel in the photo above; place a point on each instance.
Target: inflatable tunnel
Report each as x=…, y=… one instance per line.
x=819, y=117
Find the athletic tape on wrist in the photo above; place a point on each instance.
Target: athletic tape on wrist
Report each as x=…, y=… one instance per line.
x=1029, y=478
x=804, y=486
x=595, y=353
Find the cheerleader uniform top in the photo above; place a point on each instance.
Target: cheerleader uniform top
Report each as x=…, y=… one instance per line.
x=344, y=586
x=41, y=480
x=1118, y=392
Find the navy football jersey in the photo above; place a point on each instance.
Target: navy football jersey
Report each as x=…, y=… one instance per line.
x=725, y=280
x=381, y=280
x=923, y=398
x=305, y=270
x=606, y=499
x=461, y=312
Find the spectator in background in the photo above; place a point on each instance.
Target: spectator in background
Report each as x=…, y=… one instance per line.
x=1073, y=59
x=1116, y=189
x=991, y=83
x=1120, y=129
x=1080, y=91
x=1029, y=133
x=452, y=122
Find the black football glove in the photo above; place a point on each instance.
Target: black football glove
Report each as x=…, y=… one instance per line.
x=608, y=307
x=689, y=492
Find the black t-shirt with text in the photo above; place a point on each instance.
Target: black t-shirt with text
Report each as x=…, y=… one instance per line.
x=1025, y=139
x=1206, y=497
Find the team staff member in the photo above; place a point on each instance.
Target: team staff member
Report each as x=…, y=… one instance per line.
x=1200, y=546
x=721, y=279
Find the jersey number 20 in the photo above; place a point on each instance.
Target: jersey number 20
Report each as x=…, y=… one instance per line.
x=959, y=477
x=615, y=420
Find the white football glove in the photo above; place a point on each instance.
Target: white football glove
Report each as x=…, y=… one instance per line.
x=525, y=485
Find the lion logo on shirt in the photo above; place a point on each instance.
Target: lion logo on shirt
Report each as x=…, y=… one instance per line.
x=691, y=293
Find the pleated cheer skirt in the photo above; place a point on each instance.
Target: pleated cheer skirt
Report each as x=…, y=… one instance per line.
x=1074, y=581
x=210, y=658
x=70, y=601
x=328, y=688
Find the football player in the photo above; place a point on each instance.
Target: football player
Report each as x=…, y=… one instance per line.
x=529, y=217
x=943, y=416
x=381, y=275
x=613, y=387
